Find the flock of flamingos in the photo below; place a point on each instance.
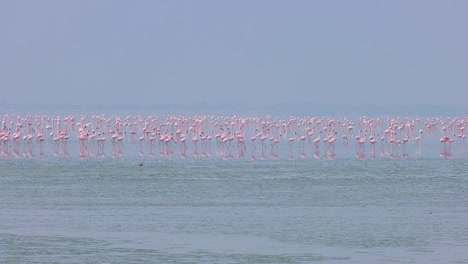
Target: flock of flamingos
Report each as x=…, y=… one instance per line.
x=227, y=137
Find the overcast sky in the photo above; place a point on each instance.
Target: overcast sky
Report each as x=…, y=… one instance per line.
x=265, y=52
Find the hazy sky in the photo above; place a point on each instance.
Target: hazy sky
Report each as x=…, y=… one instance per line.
x=157, y=52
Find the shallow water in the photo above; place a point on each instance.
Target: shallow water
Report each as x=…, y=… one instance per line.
x=234, y=211
x=135, y=202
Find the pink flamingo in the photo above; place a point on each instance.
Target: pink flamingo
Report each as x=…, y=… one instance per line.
x=316, y=141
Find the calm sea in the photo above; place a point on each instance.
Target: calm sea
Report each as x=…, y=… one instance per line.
x=157, y=209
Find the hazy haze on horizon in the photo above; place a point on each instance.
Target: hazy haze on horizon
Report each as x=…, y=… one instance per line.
x=249, y=52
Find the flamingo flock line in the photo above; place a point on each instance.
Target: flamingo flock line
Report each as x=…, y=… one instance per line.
x=227, y=137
